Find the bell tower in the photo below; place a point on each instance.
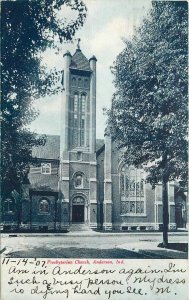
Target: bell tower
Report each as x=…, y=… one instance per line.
x=78, y=182
x=78, y=116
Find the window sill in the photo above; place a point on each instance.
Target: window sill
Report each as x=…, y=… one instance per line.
x=46, y=173
x=133, y=215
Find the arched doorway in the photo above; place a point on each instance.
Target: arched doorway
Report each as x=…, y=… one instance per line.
x=78, y=210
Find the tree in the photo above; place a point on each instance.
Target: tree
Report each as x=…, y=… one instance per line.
x=148, y=118
x=28, y=29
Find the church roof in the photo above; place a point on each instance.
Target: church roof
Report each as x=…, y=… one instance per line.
x=45, y=183
x=99, y=144
x=79, y=61
x=51, y=149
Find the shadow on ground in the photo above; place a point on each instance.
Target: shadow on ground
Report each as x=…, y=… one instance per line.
x=73, y=252
x=176, y=246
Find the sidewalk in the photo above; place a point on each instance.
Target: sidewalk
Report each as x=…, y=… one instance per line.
x=88, y=233
x=151, y=250
x=144, y=246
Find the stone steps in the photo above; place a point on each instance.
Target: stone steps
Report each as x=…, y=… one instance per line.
x=79, y=227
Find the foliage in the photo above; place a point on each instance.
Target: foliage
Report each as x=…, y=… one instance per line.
x=29, y=27
x=148, y=118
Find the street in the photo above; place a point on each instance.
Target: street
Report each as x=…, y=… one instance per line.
x=92, y=245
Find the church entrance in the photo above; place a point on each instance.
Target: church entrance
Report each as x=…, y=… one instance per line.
x=78, y=209
x=78, y=213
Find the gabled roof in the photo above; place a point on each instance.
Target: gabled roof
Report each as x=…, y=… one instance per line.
x=51, y=149
x=99, y=144
x=49, y=182
x=80, y=62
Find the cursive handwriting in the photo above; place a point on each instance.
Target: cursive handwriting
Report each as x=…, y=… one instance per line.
x=44, y=280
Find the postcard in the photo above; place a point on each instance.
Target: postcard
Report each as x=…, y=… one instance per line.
x=94, y=150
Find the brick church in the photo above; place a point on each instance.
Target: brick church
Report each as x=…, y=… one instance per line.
x=80, y=181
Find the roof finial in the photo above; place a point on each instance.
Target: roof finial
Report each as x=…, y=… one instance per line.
x=78, y=43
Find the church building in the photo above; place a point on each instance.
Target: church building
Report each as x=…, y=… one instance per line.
x=80, y=182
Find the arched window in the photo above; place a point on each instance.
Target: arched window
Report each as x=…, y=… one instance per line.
x=80, y=82
x=79, y=155
x=132, y=191
x=75, y=120
x=76, y=98
x=78, y=200
x=79, y=109
x=44, y=207
x=86, y=83
x=82, y=135
x=9, y=205
x=73, y=81
x=78, y=182
x=46, y=168
x=83, y=102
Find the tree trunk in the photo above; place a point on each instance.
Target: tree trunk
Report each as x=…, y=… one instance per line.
x=165, y=212
x=165, y=203
x=17, y=198
x=19, y=212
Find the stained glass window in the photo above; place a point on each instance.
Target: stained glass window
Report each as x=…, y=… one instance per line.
x=132, y=191
x=44, y=206
x=122, y=184
x=78, y=181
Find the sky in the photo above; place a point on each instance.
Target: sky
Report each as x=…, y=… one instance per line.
x=108, y=23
